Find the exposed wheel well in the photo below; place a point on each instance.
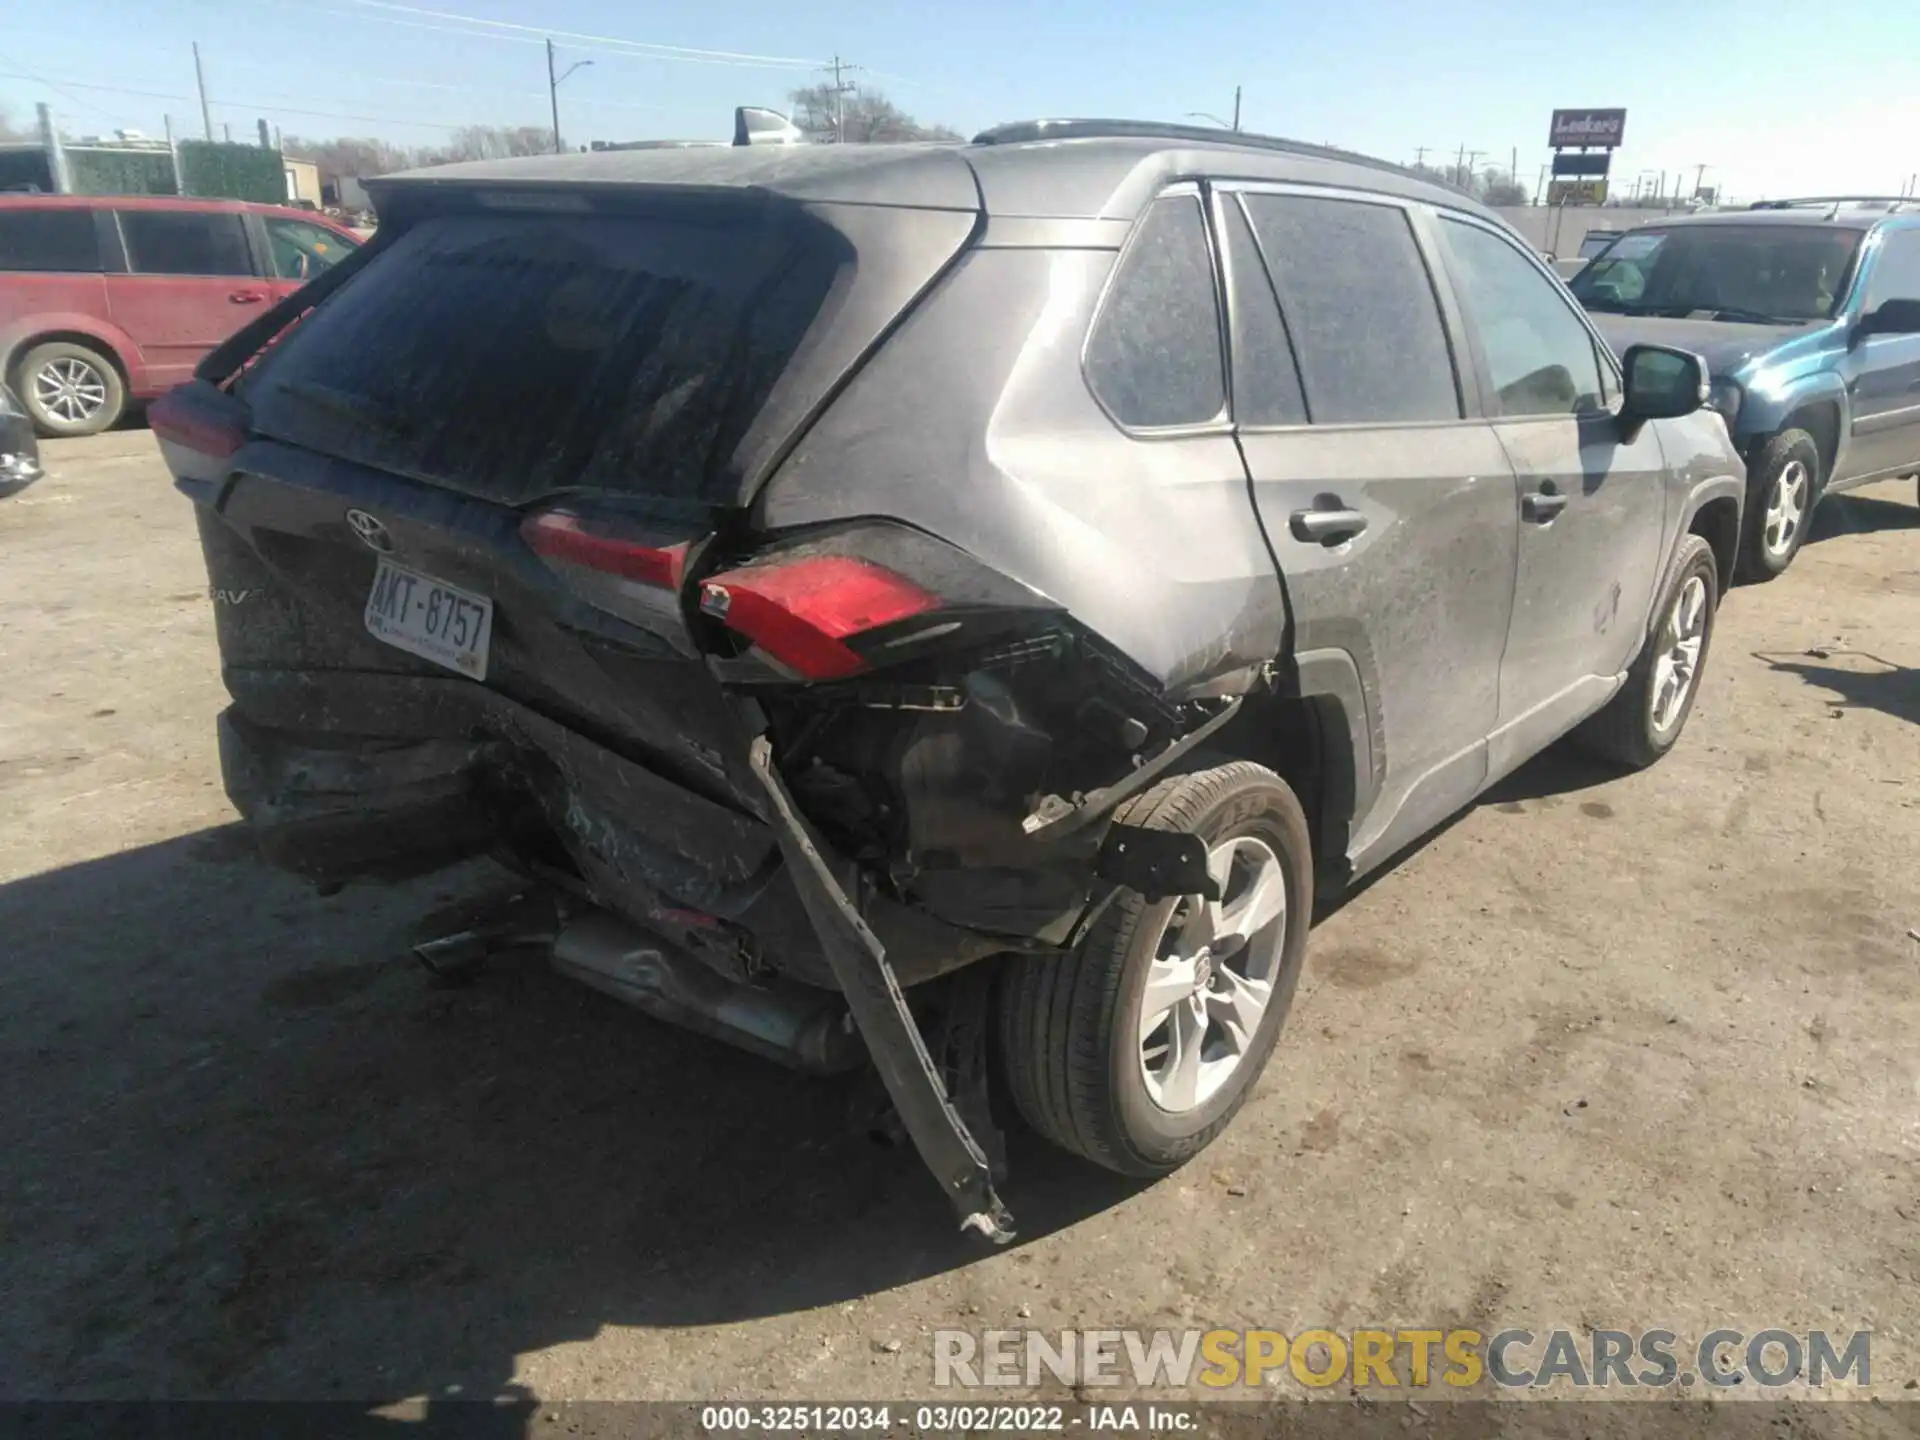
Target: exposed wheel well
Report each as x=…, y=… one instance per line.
x=70, y=337
x=1718, y=523
x=1303, y=740
x=1821, y=420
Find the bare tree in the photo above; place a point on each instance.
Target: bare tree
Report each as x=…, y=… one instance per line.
x=352, y=156
x=1499, y=188
x=495, y=142
x=868, y=116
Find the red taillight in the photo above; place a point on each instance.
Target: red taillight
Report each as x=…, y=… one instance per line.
x=559, y=536
x=802, y=612
x=190, y=420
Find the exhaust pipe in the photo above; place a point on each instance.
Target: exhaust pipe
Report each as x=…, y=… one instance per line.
x=796, y=1026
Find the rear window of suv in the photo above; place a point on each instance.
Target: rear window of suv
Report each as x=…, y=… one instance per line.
x=514, y=356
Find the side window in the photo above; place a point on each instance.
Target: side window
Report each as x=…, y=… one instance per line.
x=1266, y=382
x=1360, y=308
x=1896, y=269
x=302, y=250
x=178, y=242
x=1154, y=355
x=48, y=240
x=1540, y=357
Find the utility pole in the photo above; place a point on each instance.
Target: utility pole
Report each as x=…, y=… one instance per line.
x=553, y=89
x=173, y=154
x=1420, y=155
x=1461, y=175
x=1236, y=109
x=1699, y=175
x=1513, y=166
x=200, y=78
x=840, y=89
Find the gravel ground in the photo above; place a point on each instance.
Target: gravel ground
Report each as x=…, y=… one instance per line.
x=1603, y=1052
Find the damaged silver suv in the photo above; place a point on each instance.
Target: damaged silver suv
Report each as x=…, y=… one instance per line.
x=941, y=607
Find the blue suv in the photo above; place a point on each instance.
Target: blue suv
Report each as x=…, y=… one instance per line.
x=1808, y=315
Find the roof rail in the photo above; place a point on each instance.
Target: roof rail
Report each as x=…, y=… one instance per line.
x=1021, y=131
x=1892, y=202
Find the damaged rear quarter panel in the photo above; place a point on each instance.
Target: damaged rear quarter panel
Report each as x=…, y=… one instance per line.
x=1150, y=543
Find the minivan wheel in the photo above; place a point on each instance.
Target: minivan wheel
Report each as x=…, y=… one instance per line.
x=1783, y=484
x=69, y=389
x=1135, y=1049
x=1642, y=722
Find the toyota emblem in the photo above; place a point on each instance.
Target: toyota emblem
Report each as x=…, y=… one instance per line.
x=370, y=531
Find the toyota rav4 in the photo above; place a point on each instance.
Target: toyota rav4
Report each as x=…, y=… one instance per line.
x=941, y=606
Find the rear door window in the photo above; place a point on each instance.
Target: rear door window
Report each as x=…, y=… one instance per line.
x=514, y=356
x=1266, y=381
x=1153, y=357
x=49, y=240
x=182, y=242
x=1360, y=307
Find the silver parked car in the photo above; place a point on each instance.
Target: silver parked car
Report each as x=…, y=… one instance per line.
x=933, y=604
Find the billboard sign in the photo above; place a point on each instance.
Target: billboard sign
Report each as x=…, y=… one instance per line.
x=1582, y=162
x=1597, y=128
x=1576, y=192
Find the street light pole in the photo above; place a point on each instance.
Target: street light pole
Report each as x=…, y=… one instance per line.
x=553, y=90
x=1236, y=109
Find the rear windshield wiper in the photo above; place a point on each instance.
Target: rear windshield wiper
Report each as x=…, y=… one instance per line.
x=361, y=409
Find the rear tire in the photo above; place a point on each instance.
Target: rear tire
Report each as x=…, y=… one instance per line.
x=1782, y=488
x=1091, y=1064
x=69, y=389
x=1642, y=722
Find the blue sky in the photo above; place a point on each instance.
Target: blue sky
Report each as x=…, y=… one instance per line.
x=1773, y=96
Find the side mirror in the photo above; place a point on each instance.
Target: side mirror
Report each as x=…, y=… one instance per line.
x=1662, y=382
x=1894, y=317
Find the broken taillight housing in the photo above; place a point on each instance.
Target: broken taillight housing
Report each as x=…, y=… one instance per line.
x=803, y=612
x=201, y=418
x=558, y=535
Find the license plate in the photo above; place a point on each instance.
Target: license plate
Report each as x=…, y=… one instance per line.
x=430, y=618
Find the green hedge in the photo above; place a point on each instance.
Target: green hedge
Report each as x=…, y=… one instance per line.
x=120, y=172
x=232, y=172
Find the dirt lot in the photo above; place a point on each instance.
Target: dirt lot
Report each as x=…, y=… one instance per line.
x=1604, y=1052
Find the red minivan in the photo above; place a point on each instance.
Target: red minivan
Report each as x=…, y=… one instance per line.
x=111, y=298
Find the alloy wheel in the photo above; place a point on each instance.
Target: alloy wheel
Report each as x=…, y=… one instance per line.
x=1787, y=507
x=1682, y=637
x=70, y=390
x=1212, y=977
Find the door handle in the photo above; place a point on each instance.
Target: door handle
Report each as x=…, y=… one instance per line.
x=247, y=297
x=1541, y=506
x=1326, y=527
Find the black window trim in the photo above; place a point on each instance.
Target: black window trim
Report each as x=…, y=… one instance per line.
x=1612, y=380
x=1466, y=372
x=1220, y=423
x=259, y=272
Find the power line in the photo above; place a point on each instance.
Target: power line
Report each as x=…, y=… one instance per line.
x=42, y=80
x=579, y=39
x=232, y=104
